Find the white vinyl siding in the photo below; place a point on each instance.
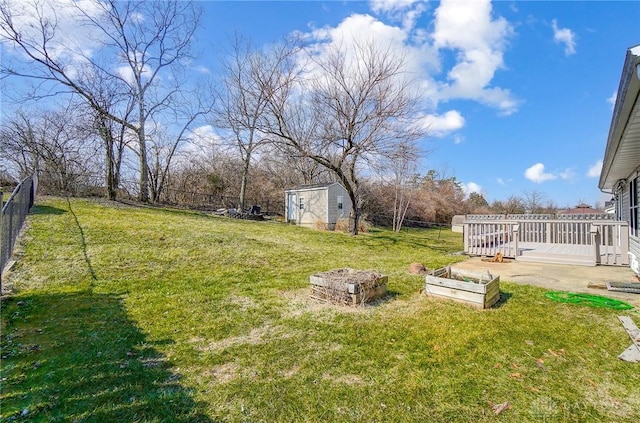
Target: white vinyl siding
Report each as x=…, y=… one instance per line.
x=629, y=208
x=318, y=205
x=634, y=208
x=313, y=209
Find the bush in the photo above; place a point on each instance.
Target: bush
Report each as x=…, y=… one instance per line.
x=342, y=225
x=320, y=225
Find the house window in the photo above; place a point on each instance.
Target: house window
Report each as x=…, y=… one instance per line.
x=634, y=207
x=301, y=203
x=339, y=202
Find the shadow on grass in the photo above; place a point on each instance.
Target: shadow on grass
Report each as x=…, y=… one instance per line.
x=47, y=210
x=78, y=357
x=504, y=298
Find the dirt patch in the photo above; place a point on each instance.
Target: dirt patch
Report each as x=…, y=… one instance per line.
x=244, y=303
x=301, y=303
x=292, y=371
x=344, y=379
x=260, y=335
x=225, y=373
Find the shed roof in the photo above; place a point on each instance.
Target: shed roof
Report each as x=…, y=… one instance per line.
x=622, y=153
x=311, y=187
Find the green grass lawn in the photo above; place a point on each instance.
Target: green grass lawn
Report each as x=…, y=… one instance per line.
x=124, y=314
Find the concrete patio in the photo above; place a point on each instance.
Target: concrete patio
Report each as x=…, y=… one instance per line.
x=559, y=277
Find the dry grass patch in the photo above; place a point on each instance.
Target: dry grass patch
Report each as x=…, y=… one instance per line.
x=346, y=379
x=260, y=335
x=225, y=373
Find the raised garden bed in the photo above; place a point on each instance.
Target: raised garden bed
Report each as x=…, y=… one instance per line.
x=348, y=286
x=479, y=289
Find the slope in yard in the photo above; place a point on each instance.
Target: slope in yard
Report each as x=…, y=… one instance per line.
x=122, y=313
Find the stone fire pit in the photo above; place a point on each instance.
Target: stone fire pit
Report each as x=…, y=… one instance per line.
x=348, y=286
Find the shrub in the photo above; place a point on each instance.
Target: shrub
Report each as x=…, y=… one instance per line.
x=342, y=225
x=320, y=225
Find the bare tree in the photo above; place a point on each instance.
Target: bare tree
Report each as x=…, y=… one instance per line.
x=171, y=130
x=402, y=164
x=243, y=101
x=534, y=201
x=138, y=42
x=353, y=107
x=115, y=137
x=53, y=145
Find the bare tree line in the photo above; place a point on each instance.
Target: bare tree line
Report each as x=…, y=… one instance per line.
x=277, y=117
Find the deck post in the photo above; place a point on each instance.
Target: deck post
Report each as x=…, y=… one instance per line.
x=465, y=236
x=623, y=233
x=595, y=241
x=516, y=230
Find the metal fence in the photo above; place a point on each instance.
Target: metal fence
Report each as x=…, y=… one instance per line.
x=14, y=212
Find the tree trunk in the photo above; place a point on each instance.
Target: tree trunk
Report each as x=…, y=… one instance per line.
x=243, y=184
x=354, y=216
x=111, y=188
x=143, y=195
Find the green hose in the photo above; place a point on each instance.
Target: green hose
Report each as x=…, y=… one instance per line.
x=588, y=300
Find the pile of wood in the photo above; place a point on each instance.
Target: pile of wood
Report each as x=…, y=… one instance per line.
x=348, y=286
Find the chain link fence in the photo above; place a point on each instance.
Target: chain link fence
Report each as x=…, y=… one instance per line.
x=14, y=213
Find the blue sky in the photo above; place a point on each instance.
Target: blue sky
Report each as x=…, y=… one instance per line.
x=517, y=95
x=523, y=90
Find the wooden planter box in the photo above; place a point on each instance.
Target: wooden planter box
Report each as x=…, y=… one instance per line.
x=348, y=286
x=479, y=289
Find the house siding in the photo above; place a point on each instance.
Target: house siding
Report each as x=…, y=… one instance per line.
x=634, y=240
x=625, y=199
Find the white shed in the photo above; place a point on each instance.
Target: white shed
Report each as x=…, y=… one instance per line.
x=311, y=205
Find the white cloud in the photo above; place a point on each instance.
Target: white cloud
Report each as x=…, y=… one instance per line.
x=469, y=28
x=202, y=69
x=126, y=72
x=358, y=29
x=202, y=140
x=595, y=169
x=458, y=139
x=379, y=6
x=441, y=125
x=564, y=36
x=567, y=174
x=405, y=11
x=470, y=187
x=537, y=174
x=500, y=181
x=71, y=43
x=612, y=100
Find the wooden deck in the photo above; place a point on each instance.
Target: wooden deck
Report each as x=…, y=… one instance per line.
x=579, y=242
x=565, y=254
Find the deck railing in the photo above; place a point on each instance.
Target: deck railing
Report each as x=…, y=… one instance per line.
x=609, y=238
x=490, y=237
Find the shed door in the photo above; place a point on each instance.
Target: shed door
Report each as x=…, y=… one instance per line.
x=292, y=208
